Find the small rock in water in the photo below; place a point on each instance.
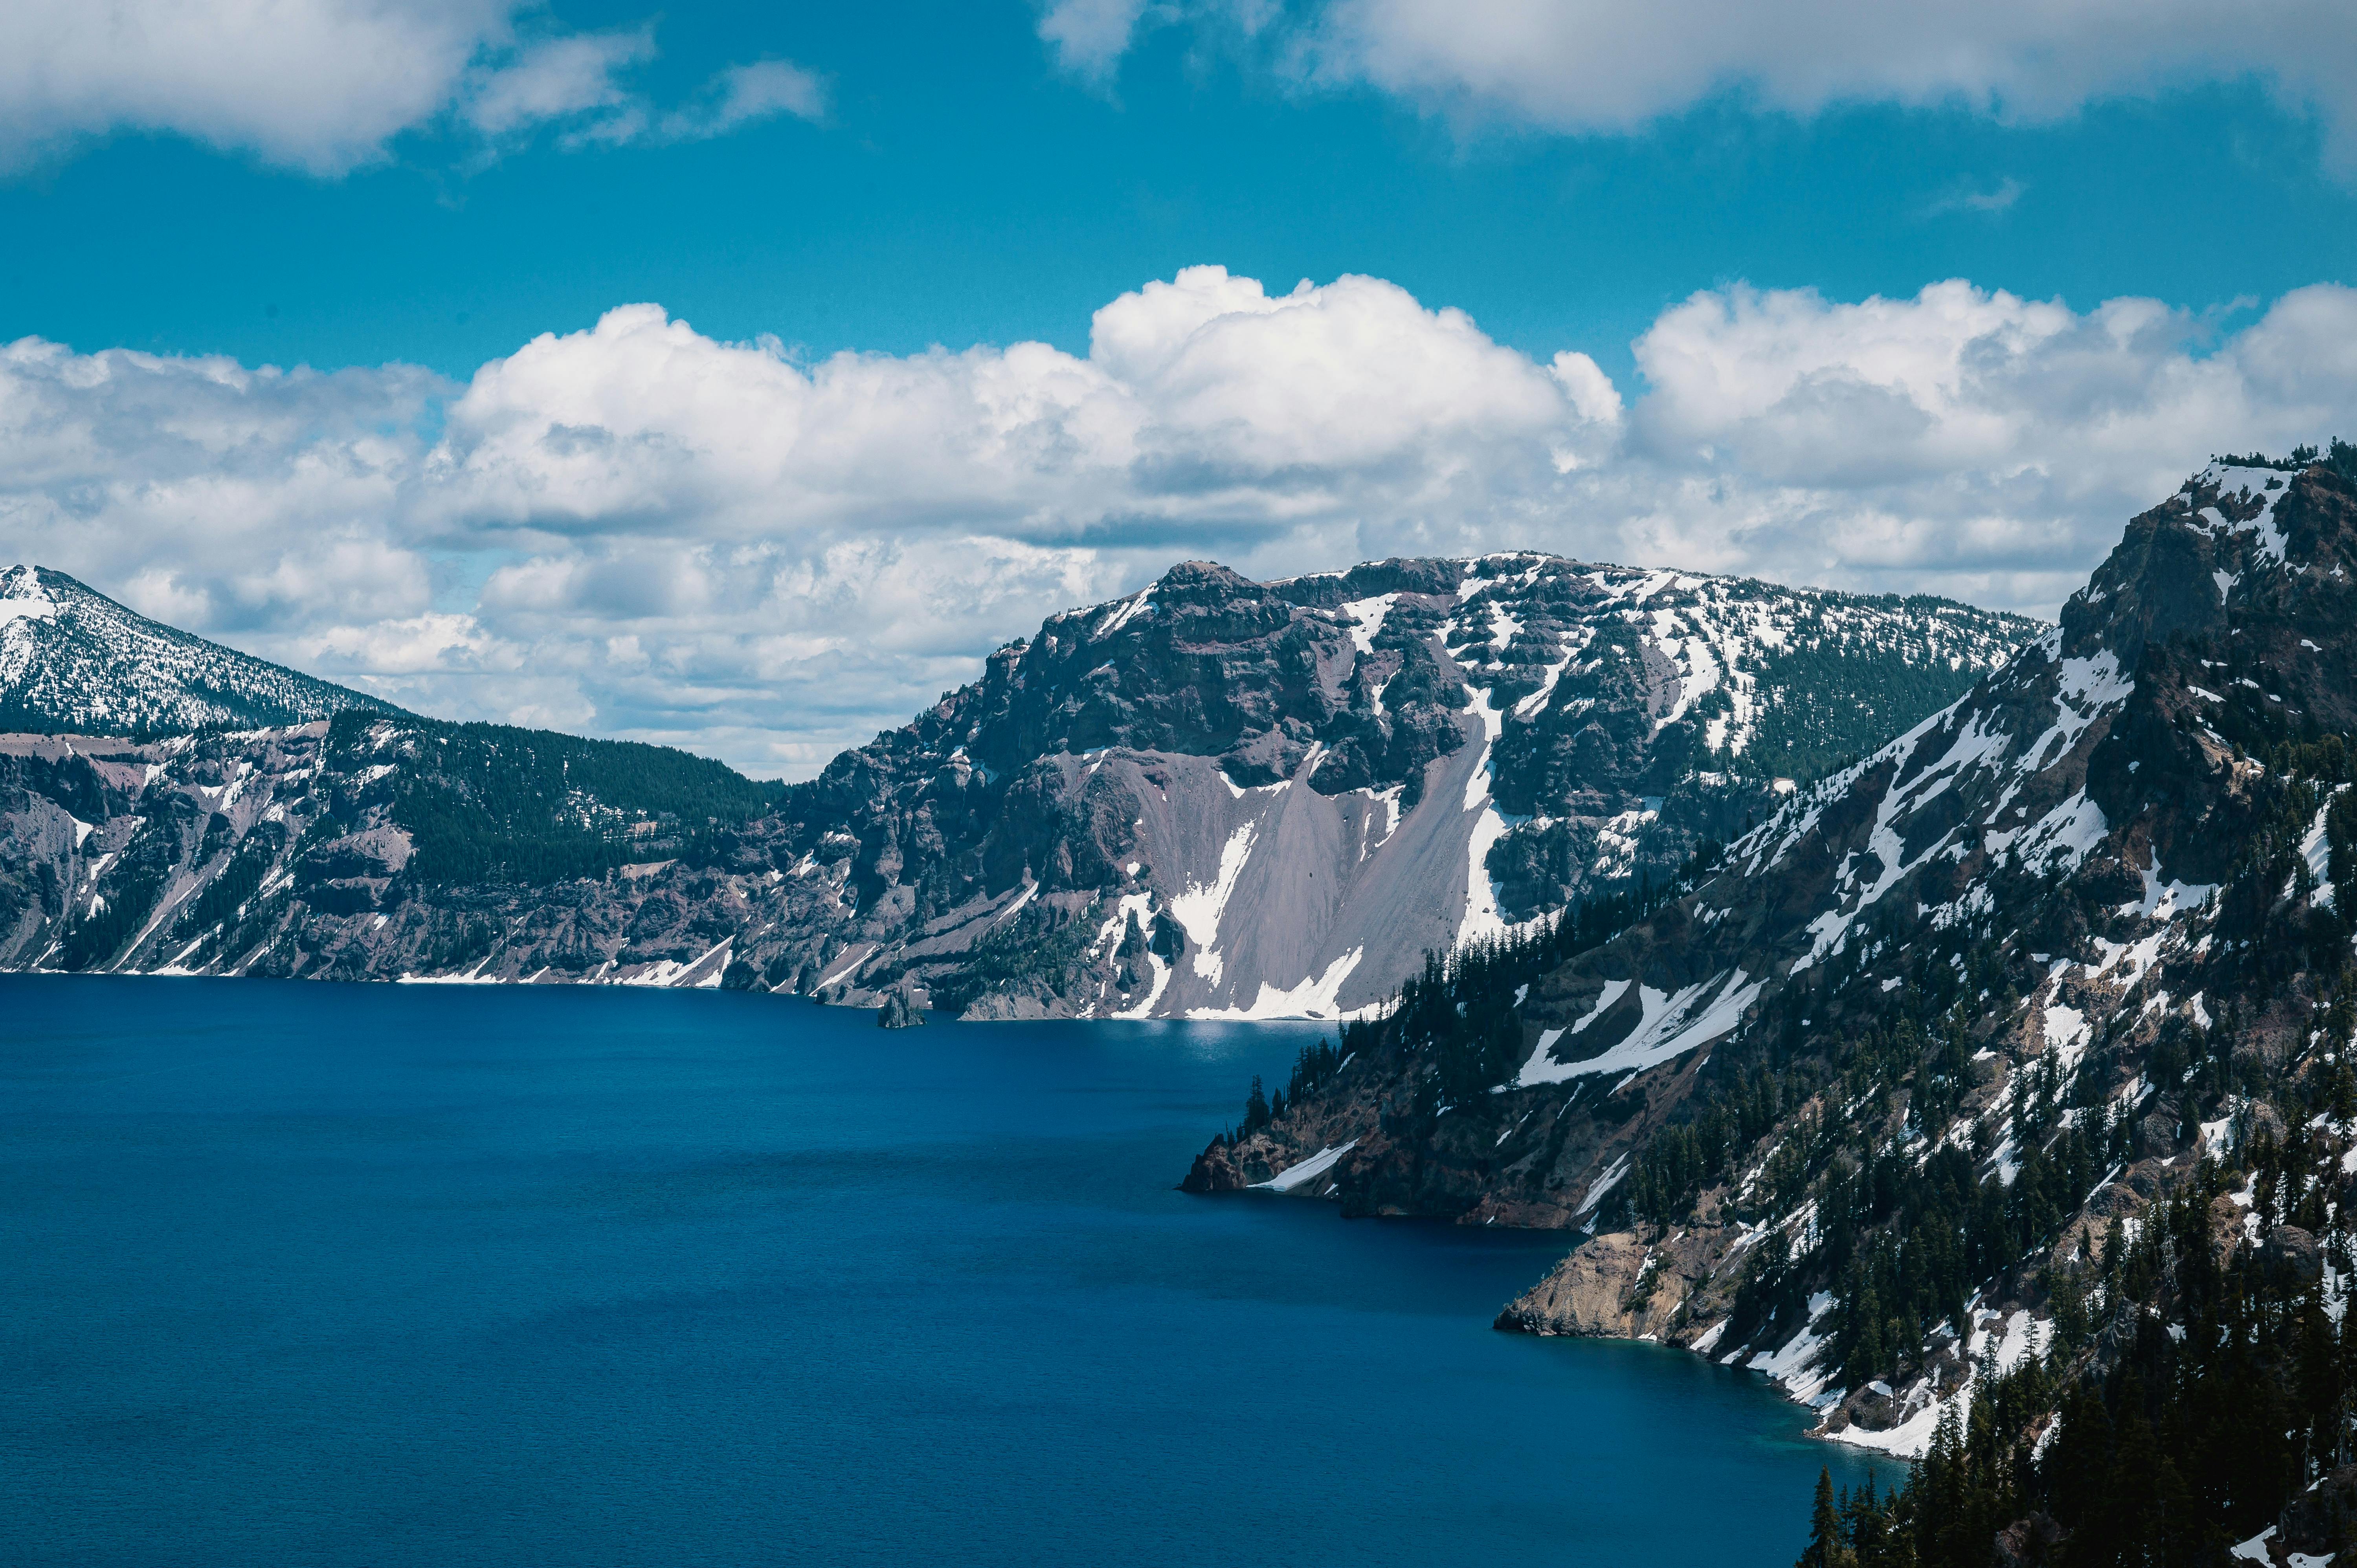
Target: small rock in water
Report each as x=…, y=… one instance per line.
x=900, y=1013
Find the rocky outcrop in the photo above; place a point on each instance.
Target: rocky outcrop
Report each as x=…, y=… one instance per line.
x=2029, y=1543
x=1607, y=1288
x=900, y=1013
x=1218, y=1169
x=2319, y=1523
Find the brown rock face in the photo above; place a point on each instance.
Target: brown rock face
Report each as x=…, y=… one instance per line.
x=1589, y=1293
x=1631, y=1284
x=2029, y=1543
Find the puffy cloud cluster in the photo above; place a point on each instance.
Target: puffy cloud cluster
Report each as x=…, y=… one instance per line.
x=1616, y=65
x=1201, y=399
x=322, y=85
x=637, y=529
x=1969, y=442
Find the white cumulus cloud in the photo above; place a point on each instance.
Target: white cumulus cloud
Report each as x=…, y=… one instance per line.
x=640, y=530
x=324, y=85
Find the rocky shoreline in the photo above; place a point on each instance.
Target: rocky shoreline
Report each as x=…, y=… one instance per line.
x=1676, y=1289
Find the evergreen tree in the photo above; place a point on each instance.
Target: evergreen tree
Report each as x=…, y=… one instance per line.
x=1826, y=1548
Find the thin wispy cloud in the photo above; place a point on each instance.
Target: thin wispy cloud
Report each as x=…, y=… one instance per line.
x=745, y=93
x=1988, y=202
x=555, y=79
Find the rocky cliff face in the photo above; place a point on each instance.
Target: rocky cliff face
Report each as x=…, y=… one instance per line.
x=1212, y=797
x=2029, y=1032
x=71, y=660
x=1265, y=799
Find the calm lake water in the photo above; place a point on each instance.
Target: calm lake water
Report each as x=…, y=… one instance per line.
x=379, y=1276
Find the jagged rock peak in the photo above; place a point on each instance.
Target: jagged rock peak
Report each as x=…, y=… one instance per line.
x=1372, y=579
x=1206, y=580
x=2235, y=538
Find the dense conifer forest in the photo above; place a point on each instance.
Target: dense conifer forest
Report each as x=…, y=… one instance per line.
x=492, y=802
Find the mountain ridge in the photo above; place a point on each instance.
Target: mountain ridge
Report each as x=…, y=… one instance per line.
x=1209, y=798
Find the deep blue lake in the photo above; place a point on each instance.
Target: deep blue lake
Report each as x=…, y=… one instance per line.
x=379, y=1276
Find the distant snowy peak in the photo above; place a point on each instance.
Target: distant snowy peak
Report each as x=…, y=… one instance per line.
x=1732, y=648
x=73, y=660
x=1320, y=779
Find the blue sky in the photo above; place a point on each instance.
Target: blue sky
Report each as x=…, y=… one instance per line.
x=962, y=189
x=1890, y=299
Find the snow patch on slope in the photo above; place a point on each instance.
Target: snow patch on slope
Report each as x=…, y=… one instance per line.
x=1367, y=620
x=23, y=598
x=1672, y=1024
x=1540, y=1069
x=2316, y=849
x=1313, y=998
x=1198, y=909
x=1309, y=1170
x=2022, y=1338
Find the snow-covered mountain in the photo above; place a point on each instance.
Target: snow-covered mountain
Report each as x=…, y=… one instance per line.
x=74, y=662
x=1213, y=797
x=2002, y=1076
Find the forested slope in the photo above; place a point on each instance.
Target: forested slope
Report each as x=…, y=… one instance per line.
x=1993, y=1095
